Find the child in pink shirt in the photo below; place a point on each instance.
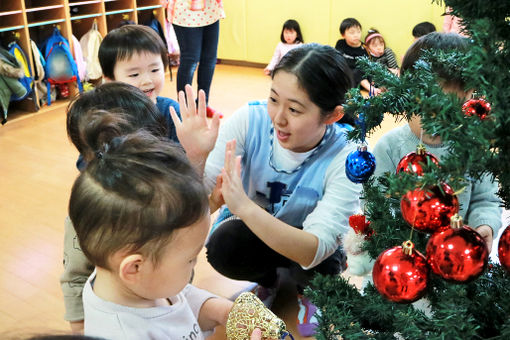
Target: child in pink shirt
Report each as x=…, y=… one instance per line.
x=291, y=38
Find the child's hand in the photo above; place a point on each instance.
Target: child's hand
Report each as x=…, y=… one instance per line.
x=216, y=198
x=232, y=186
x=267, y=71
x=194, y=133
x=485, y=232
x=256, y=334
x=77, y=327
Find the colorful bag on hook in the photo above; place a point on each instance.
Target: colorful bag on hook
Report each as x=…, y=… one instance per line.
x=60, y=65
x=27, y=81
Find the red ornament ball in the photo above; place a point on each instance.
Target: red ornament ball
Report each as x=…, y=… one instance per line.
x=429, y=210
x=400, y=277
x=413, y=162
x=457, y=254
x=477, y=106
x=504, y=248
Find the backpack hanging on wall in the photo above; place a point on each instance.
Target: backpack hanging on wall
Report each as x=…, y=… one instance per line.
x=90, y=43
x=60, y=65
x=27, y=81
x=156, y=26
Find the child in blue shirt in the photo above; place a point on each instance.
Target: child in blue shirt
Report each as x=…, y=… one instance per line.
x=479, y=204
x=136, y=55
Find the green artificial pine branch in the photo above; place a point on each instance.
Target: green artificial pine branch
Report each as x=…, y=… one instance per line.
x=475, y=310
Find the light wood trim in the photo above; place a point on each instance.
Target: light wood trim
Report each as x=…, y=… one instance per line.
x=44, y=8
x=72, y=4
x=11, y=12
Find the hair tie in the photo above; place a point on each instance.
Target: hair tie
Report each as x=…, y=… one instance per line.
x=371, y=36
x=99, y=154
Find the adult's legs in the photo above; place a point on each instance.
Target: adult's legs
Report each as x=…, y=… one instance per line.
x=190, y=44
x=236, y=252
x=333, y=265
x=208, y=57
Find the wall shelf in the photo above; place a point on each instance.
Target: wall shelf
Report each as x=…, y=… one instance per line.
x=12, y=28
x=148, y=7
x=81, y=3
x=44, y=8
x=85, y=16
x=120, y=11
x=11, y=12
x=44, y=23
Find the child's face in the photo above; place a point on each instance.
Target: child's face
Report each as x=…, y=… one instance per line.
x=289, y=35
x=297, y=121
x=142, y=70
x=352, y=36
x=376, y=47
x=173, y=271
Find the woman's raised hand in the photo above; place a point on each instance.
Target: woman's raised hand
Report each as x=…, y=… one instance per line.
x=232, y=188
x=195, y=134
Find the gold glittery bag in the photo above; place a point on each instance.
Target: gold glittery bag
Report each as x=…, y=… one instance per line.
x=249, y=313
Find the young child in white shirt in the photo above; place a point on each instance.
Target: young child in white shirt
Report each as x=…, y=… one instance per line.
x=141, y=215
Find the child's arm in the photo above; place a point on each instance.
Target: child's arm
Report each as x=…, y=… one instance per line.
x=274, y=60
x=484, y=212
x=77, y=269
x=392, y=60
x=214, y=312
x=370, y=88
x=209, y=309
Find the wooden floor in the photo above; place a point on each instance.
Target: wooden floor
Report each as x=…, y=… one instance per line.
x=37, y=169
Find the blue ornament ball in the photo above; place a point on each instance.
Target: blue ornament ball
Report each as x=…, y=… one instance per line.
x=359, y=165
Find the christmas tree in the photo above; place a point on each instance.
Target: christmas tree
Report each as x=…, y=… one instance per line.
x=478, y=138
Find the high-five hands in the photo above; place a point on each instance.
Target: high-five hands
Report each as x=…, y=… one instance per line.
x=232, y=188
x=195, y=134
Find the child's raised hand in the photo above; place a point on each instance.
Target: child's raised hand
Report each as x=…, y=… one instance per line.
x=195, y=134
x=232, y=186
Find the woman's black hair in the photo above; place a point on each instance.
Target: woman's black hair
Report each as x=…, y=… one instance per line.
x=292, y=24
x=323, y=73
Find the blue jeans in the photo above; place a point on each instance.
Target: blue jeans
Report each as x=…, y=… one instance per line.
x=198, y=45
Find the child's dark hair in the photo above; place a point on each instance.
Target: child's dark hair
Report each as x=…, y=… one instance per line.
x=423, y=28
x=348, y=23
x=322, y=72
x=292, y=24
x=133, y=195
x=121, y=43
x=137, y=109
x=436, y=41
x=373, y=35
